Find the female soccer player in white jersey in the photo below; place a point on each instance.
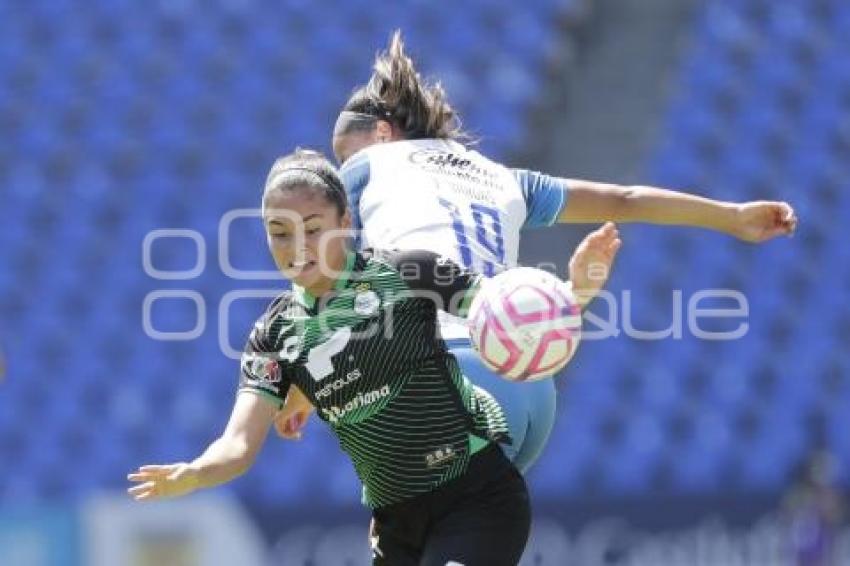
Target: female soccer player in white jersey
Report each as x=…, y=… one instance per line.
x=413, y=185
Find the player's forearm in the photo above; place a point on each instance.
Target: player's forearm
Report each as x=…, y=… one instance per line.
x=662, y=206
x=222, y=461
x=599, y=202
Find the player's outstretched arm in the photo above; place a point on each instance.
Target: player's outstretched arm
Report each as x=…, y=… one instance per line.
x=756, y=221
x=590, y=264
x=229, y=456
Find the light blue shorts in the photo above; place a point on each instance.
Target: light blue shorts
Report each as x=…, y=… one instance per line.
x=529, y=407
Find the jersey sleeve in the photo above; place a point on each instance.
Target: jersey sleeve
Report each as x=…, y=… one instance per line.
x=262, y=370
x=431, y=275
x=545, y=197
x=355, y=176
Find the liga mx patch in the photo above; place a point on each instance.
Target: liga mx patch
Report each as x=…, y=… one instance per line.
x=266, y=369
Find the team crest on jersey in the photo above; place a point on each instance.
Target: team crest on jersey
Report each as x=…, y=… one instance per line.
x=363, y=287
x=366, y=303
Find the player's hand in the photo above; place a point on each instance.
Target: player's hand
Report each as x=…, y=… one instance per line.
x=293, y=415
x=760, y=221
x=591, y=262
x=159, y=482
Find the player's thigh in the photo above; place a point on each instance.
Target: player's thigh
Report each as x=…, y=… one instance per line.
x=543, y=409
x=529, y=407
x=510, y=398
x=489, y=529
x=393, y=544
x=390, y=552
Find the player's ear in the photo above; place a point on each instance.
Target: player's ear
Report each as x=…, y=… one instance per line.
x=345, y=220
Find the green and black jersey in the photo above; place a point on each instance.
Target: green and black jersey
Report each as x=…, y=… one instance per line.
x=369, y=356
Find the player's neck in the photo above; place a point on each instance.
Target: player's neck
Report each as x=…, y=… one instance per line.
x=318, y=289
x=325, y=284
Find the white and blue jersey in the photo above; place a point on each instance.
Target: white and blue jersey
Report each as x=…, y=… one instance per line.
x=439, y=196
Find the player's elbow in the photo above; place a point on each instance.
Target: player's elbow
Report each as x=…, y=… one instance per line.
x=625, y=202
x=626, y=195
x=247, y=457
x=241, y=454
x=629, y=193
x=619, y=201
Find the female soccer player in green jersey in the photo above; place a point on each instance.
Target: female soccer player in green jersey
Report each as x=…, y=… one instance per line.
x=358, y=336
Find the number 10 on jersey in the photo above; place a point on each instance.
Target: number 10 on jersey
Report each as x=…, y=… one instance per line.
x=487, y=232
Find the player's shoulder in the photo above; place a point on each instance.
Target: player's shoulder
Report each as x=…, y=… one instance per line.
x=373, y=255
x=376, y=261
x=366, y=158
x=381, y=152
x=358, y=161
x=388, y=257
x=279, y=317
x=282, y=305
x=386, y=265
x=356, y=173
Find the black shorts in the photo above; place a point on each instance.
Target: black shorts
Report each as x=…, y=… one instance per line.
x=479, y=519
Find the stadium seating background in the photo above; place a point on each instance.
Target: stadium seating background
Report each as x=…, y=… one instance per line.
x=126, y=117
x=760, y=110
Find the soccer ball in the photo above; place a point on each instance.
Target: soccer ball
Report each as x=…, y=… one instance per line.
x=525, y=324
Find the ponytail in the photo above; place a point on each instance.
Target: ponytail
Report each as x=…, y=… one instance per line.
x=398, y=94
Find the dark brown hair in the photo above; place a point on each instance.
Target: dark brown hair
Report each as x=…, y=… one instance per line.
x=308, y=168
x=397, y=93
